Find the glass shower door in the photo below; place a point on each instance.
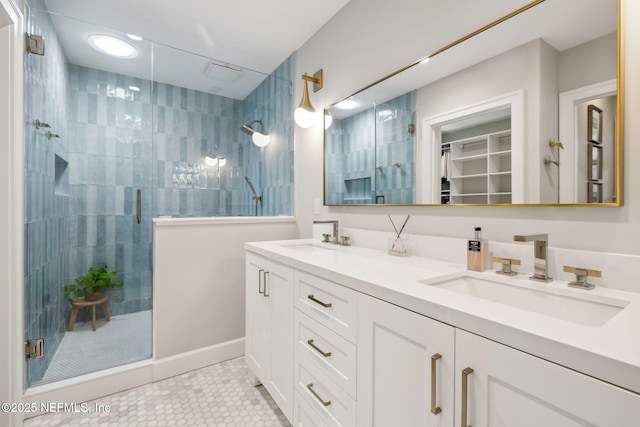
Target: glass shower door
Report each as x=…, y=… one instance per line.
x=88, y=151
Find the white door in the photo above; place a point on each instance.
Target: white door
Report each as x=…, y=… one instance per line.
x=508, y=388
x=396, y=352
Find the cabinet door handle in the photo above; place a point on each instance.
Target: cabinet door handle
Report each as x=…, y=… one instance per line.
x=260, y=290
x=435, y=409
x=325, y=403
x=465, y=395
x=317, y=301
x=325, y=354
x=265, y=294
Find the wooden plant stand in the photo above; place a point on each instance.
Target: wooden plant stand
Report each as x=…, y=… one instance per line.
x=81, y=303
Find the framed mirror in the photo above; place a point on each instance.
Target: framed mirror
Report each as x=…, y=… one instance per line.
x=503, y=116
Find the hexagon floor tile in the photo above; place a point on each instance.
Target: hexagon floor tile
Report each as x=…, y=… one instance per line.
x=217, y=395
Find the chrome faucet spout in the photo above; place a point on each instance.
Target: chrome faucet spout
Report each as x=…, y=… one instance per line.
x=540, y=260
x=334, y=237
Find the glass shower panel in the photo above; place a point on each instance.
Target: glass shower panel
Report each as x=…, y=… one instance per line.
x=88, y=150
x=395, y=150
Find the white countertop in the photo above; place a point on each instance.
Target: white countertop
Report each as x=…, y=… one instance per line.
x=610, y=352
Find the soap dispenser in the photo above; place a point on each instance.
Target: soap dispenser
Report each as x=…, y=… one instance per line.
x=478, y=252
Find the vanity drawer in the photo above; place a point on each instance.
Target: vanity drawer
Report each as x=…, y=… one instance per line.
x=332, y=404
x=328, y=303
x=304, y=415
x=326, y=351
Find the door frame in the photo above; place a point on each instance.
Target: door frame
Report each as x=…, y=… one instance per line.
x=428, y=151
x=12, y=213
x=568, y=133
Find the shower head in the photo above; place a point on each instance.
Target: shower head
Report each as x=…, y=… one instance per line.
x=258, y=138
x=253, y=190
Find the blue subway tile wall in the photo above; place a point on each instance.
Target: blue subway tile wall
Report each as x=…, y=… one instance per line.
x=47, y=206
x=270, y=168
x=395, y=149
x=370, y=155
x=110, y=160
x=351, y=156
x=190, y=126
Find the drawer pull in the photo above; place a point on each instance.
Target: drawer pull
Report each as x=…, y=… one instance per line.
x=325, y=354
x=310, y=387
x=260, y=290
x=435, y=409
x=317, y=301
x=465, y=395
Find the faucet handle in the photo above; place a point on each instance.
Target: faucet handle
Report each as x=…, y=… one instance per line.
x=582, y=275
x=506, y=265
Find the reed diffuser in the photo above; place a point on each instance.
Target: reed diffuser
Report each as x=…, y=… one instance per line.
x=398, y=246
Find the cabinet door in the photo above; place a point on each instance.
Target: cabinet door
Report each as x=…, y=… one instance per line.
x=257, y=317
x=396, y=350
x=278, y=290
x=510, y=388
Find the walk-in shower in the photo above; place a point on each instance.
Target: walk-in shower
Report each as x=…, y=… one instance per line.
x=112, y=144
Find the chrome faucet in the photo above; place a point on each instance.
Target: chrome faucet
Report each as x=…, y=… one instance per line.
x=540, y=262
x=334, y=236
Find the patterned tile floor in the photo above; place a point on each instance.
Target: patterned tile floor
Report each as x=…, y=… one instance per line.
x=218, y=395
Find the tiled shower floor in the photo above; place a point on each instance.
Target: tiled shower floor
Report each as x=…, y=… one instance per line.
x=125, y=339
x=218, y=395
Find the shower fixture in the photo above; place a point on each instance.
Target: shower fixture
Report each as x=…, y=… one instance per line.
x=305, y=115
x=257, y=199
x=40, y=124
x=260, y=139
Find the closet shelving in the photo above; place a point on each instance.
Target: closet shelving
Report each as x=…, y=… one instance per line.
x=481, y=169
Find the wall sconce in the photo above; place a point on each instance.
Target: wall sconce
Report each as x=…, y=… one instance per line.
x=305, y=115
x=258, y=138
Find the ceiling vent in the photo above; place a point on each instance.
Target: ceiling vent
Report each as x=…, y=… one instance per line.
x=222, y=72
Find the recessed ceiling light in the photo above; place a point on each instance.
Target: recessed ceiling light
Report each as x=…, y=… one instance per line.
x=347, y=104
x=134, y=88
x=134, y=37
x=112, y=46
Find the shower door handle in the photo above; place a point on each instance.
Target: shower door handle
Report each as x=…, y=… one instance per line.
x=139, y=206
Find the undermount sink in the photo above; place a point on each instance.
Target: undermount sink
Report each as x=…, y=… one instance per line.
x=306, y=247
x=592, y=310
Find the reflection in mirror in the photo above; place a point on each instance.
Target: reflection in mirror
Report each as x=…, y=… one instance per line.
x=504, y=117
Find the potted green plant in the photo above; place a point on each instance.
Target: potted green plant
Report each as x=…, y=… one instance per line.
x=91, y=284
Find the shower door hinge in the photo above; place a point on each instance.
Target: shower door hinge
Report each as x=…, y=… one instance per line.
x=35, y=44
x=34, y=348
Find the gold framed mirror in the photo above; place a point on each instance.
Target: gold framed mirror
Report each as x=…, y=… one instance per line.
x=500, y=117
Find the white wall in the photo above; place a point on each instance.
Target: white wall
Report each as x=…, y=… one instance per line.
x=392, y=34
x=198, y=279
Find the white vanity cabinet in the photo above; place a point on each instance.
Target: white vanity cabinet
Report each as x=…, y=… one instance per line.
x=400, y=382
x=269, y=327
x=510, y=388
x=325, y=354
x=332, y=356
x=405, y=367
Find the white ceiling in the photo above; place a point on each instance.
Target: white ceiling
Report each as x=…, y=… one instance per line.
x=253, y=35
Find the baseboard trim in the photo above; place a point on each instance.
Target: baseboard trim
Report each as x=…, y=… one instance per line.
x=196, y=359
